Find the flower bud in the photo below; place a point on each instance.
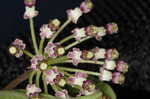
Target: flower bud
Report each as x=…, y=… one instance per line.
x=43, y=66
x=54, y=24
x=118, y=78
x=91, y=30
x=86, y=6
x=87, y=55
x=122, y=66
x=29, y=3
x=109, y=64
x=62, y=83
x=12, y=50
x=112, y=28
x=59, y=51
x=112, y=54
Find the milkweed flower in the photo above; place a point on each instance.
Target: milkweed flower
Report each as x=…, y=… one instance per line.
x=29, y=3
x=53, y=76
x=35, y=61
x=79, y=33
x=87, y=55
x=77, y=79
x=32, y=90
x=105, y=75
x=17, y=48
x=86, y=6
x=112, y=54
x=99, y=53
x=118, y=78
x=63, y=94
x=74, y=14
x=54, y=24
x=112, y=28
x=122, y=66
x=30, y=12
x=109, y=64
x=75, y=55
x=46, y=32
x=101, y=31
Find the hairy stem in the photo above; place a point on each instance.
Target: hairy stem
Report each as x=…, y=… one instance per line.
x=44, y=83
x=38, y=78
x=66, y=39
x=27, y=53
x=76, y=43
x=41, y=46
x=33, y=36
x=87, y=61
x=79, y=70
x=60, y=29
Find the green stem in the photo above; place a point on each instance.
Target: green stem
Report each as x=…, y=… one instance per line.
x=57, y=60
x=31, y=77
x=66, y=39
x=87, y=61
x=60, y=29
x=38, y=78
x=41, y=46
x=45, y=85
x=79, y=70
x=76, y=42
x=54, y=88
x=33, y=36
x=27, y=53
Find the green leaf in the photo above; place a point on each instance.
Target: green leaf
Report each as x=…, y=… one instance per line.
x=107, y=90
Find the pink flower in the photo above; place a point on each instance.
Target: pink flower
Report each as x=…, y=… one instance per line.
x=79, y=33
x=112, y=28
x=109, y=64
x=32, y=90
x=99, y=53
x=111, y=54
x=105, y=75
x=53, y=76
x=30, y=12
x=74, y=14
x=118, y=78
x=77, y=79
x=29, y=3
x=17, y=48
x=86, y=6
x=91, y=30
x=50, y=50
x=35, y=61
x=62, y=94
x=75, y=55
x=122, y=66
x=101, y=32
x=46, y=32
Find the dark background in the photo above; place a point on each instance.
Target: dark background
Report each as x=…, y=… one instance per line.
x=132, y=41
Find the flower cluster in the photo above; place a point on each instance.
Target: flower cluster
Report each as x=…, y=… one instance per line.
x=17, y=48
x=48, y=59
x=117, y=77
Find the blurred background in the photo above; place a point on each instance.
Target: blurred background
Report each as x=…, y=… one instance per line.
x=132, y=40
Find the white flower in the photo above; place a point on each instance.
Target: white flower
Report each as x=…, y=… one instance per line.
x=110, y=64
x=32, y=90
x=30, y=12
x=101, y=32
x=74, y=14
x=105, y=75
x=46, y=32
x=79, y=33
x=99, y=53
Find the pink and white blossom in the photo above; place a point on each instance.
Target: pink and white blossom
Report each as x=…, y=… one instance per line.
x=74, y=14
x=75, y=55
x=18, y=46
x=122, y=66
x=46, y=32
x=101, y=32
x=53, y=76
x=112, y=54
x=62, y=94
x=86, y=6
x=99, y=53
x=29, y=3
x=109, y=64
x=35, y=61
x=50, y=50
x=112, y=28
x=79, y=33
x=32, y=90
x=118, y=78
x=77, y=79
x=105, y=75
x=30, y=12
